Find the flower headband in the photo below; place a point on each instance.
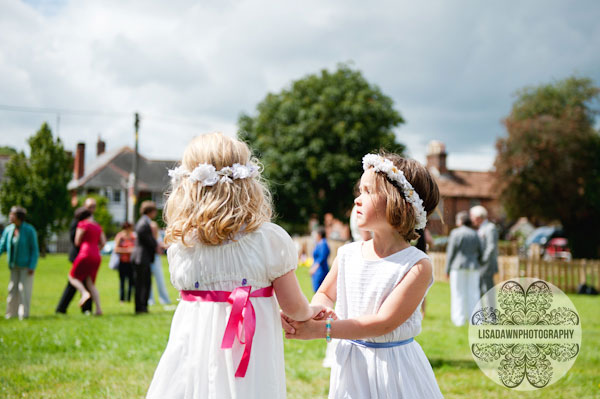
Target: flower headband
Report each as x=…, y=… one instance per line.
x=207, y=175
x=384, y=165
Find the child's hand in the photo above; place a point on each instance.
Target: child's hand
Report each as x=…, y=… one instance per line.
x=286, y=324
x=308, y=329
x=305, y=329
x=317, y=311
x=325, y=313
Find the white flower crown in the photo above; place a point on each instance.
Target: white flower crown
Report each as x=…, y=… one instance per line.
x=207, y=175
x=384, y=165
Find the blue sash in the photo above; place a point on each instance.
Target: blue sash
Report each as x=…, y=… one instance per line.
x=377, y=345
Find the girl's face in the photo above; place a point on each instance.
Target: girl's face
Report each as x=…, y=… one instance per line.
x=370, y=205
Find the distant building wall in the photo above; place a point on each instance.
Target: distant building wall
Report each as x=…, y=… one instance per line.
x=459, y=191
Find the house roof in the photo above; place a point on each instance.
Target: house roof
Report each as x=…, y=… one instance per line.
x=112, y=169
x=466, y=184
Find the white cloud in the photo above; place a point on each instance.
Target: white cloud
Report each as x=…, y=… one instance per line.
x=190, y=67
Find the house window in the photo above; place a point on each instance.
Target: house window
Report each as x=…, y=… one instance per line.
x=113, y=195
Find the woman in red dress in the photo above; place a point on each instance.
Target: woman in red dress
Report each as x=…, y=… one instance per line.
x=89, y=238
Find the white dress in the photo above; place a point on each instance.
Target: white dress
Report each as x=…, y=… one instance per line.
x=377, y=373
x=193, y=364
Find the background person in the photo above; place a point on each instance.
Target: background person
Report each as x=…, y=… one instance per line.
x=70, y=290
x=124, y=244
x=89, y=237
x=143, y=255
x=319, y=268
x=488, y=234
x=462, y=266
x=156, y=269
x=19, y=241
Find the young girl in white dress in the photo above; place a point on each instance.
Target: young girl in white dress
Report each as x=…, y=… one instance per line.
x=229, y=262
x=378, y=286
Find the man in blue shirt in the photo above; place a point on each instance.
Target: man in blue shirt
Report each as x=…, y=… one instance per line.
x=320, y=268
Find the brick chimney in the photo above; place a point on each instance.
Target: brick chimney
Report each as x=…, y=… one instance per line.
x=78, y=167
x=100, y=147
x=436, y=157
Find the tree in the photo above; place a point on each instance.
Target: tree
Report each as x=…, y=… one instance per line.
x=15, y=189
x=40, y=184
x=548, y=167
x=311, y=139
x=6, y=150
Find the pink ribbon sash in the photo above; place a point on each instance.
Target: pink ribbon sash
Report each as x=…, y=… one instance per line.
x=242, y=315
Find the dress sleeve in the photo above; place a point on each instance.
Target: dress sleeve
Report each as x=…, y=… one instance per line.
x=283, y=256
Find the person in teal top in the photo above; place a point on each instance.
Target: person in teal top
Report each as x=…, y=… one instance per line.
x=19, y=241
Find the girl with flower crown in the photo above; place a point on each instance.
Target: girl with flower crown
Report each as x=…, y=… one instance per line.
x=378, y=286
x=228, y=261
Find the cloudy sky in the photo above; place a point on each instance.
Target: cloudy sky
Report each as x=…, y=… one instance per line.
x=190, y=67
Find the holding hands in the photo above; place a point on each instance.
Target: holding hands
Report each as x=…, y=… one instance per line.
x=311, y=328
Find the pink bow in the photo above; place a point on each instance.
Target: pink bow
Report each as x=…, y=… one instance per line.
x=242, y=315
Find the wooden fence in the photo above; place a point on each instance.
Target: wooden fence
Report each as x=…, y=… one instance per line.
x=565, y=275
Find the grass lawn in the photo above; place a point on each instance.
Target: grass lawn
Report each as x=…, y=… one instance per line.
x=114, y=356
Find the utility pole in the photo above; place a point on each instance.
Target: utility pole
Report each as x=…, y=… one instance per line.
x=136, y=166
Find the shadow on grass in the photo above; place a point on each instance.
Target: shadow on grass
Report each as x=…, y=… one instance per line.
x=437, y=363
x=112, y=314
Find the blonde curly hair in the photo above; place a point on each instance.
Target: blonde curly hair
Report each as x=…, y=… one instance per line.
x=214, y=214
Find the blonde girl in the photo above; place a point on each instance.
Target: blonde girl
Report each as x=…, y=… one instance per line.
x=378, y=286
x=228, y=261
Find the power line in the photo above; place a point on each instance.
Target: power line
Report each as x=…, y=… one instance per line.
x=62, y=111
x=110, y=114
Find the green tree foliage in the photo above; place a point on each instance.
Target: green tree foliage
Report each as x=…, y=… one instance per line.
x=5, y=150
x=40, y=184
x=549, y=165
x=15, y=189
x=311, y=139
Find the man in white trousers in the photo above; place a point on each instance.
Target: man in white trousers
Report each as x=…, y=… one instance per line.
x=463, y=266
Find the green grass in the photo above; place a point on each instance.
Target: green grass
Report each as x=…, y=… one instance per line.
x=114, y=356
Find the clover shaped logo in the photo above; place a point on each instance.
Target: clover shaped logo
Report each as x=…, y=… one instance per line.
x=525, y=334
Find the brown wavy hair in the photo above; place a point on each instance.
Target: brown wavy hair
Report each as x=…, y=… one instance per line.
x=399, y=212
x=214, y=214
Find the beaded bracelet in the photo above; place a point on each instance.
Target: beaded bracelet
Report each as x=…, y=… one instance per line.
x=328, y=329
